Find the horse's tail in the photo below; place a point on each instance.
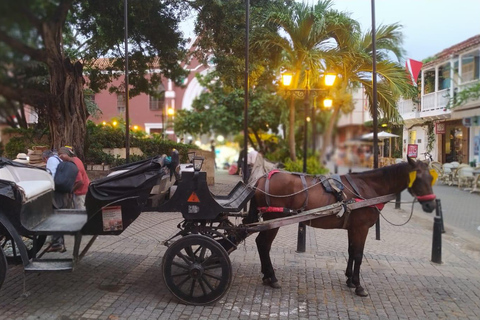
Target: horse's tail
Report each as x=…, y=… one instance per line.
x=252, y=216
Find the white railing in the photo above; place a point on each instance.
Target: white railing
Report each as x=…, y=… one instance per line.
x=435, y=100
x=407, y=106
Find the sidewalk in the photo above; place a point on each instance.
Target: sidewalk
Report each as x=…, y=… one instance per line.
x=120, y=278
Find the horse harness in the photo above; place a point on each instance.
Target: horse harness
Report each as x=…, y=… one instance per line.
x=331, y=184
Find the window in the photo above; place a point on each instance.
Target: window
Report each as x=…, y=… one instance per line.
x=429, y=78
x=121, y=102
x=157, y=100
x=444, y=77
x=470, y=67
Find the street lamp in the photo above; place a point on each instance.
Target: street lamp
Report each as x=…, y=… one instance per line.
x=305, y=94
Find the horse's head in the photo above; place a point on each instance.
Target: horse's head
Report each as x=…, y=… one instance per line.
x=421, y=180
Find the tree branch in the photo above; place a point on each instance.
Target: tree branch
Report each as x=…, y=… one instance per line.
x=60, y=14
x=35, y=54
x=31, y=17
x=34, y=98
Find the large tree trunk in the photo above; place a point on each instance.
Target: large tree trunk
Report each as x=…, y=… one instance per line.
x=67, y=112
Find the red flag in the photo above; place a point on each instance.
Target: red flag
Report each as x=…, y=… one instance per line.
x=413, y=69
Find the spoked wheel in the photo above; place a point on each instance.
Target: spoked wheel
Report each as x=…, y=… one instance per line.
x=197, y=270
x=3, y=267
x=11, y=252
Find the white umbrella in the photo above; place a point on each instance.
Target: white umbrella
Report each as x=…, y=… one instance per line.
x=382, y=135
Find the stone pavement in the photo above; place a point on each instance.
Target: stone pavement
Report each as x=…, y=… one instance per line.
x=120, y=278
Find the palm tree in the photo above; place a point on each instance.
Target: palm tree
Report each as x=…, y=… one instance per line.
x=302, y=33
x=352, y=60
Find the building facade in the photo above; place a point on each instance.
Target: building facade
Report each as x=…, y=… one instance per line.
x=149, y=113
x=453, y=132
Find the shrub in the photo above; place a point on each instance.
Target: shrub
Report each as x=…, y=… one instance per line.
x=313, y=166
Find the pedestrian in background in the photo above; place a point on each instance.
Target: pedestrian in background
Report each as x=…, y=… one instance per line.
x=82, y=181
x=61, y=200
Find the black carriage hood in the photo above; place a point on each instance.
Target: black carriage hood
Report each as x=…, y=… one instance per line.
x=129, y=179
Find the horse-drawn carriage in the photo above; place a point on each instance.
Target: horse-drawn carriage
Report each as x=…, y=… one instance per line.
x=196, y=266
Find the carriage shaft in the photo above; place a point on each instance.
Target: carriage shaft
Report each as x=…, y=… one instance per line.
x=315, y=213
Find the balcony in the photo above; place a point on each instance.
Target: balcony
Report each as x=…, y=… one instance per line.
x=408, y=109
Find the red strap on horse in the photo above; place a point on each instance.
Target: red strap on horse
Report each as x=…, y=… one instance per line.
x=379, y=205
x=427, y=197
x=271, y=173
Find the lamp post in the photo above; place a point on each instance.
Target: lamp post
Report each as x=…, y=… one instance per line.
x=305, y=95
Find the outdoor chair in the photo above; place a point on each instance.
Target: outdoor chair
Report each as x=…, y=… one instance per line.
x=465, y=177
x=446, y=177
x=455, y=172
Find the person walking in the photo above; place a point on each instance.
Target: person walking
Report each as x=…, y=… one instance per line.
x=61, y=200
x=82, y=181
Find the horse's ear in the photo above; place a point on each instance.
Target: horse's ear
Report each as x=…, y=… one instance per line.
x=411, y=161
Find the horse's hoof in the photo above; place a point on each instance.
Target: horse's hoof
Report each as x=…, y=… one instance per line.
x=350, y=284
x=361, y=292
x=268, y=282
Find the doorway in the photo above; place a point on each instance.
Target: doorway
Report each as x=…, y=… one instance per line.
x=455, y=142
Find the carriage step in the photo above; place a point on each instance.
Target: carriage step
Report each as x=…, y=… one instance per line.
x=50, y=265
x=65, y=221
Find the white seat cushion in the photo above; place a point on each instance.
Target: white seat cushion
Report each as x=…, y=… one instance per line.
x=33, y=189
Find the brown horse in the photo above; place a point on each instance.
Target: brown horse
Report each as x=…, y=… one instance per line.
x=287, y=190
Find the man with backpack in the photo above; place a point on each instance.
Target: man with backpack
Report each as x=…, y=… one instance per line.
x=62, y=196
x=82, y=181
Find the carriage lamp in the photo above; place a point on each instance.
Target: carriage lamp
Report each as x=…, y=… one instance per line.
x=197, y=163
x=191, y=156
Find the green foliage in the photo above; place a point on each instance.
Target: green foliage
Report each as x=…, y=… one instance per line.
x=471, y=93
x=100, y=137
x=313, y=166
x=24, y=139
x=430, y=136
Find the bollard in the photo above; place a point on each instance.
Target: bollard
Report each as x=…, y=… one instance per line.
x=398, y=200
x=437, y=234
x=439, y=213
x=377, y=229
x=335, y=168
x=302, y=237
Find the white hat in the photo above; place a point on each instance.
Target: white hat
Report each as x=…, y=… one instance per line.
x=22, y=158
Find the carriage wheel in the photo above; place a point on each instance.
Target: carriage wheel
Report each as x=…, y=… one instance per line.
x=13, y=256
x=197, y=270
x=3, y=267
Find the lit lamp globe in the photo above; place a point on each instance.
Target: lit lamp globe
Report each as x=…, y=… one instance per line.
x=330, y=79
x=327, y=103
x=287, y=79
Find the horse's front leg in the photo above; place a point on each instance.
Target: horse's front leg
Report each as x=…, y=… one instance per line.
x=349, y=270
x=264, y=242
x=356, y=239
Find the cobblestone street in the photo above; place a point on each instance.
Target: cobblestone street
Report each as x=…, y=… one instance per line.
x=121, y=277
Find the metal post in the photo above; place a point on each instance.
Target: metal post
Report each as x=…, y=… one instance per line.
x=398, y=200
x=302, y=232
x=127, y=121
x=439, y=212
x=375, y=105
x=245, y=109
x=437, y=235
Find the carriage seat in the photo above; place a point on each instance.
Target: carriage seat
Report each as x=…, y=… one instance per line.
x=33, y=182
